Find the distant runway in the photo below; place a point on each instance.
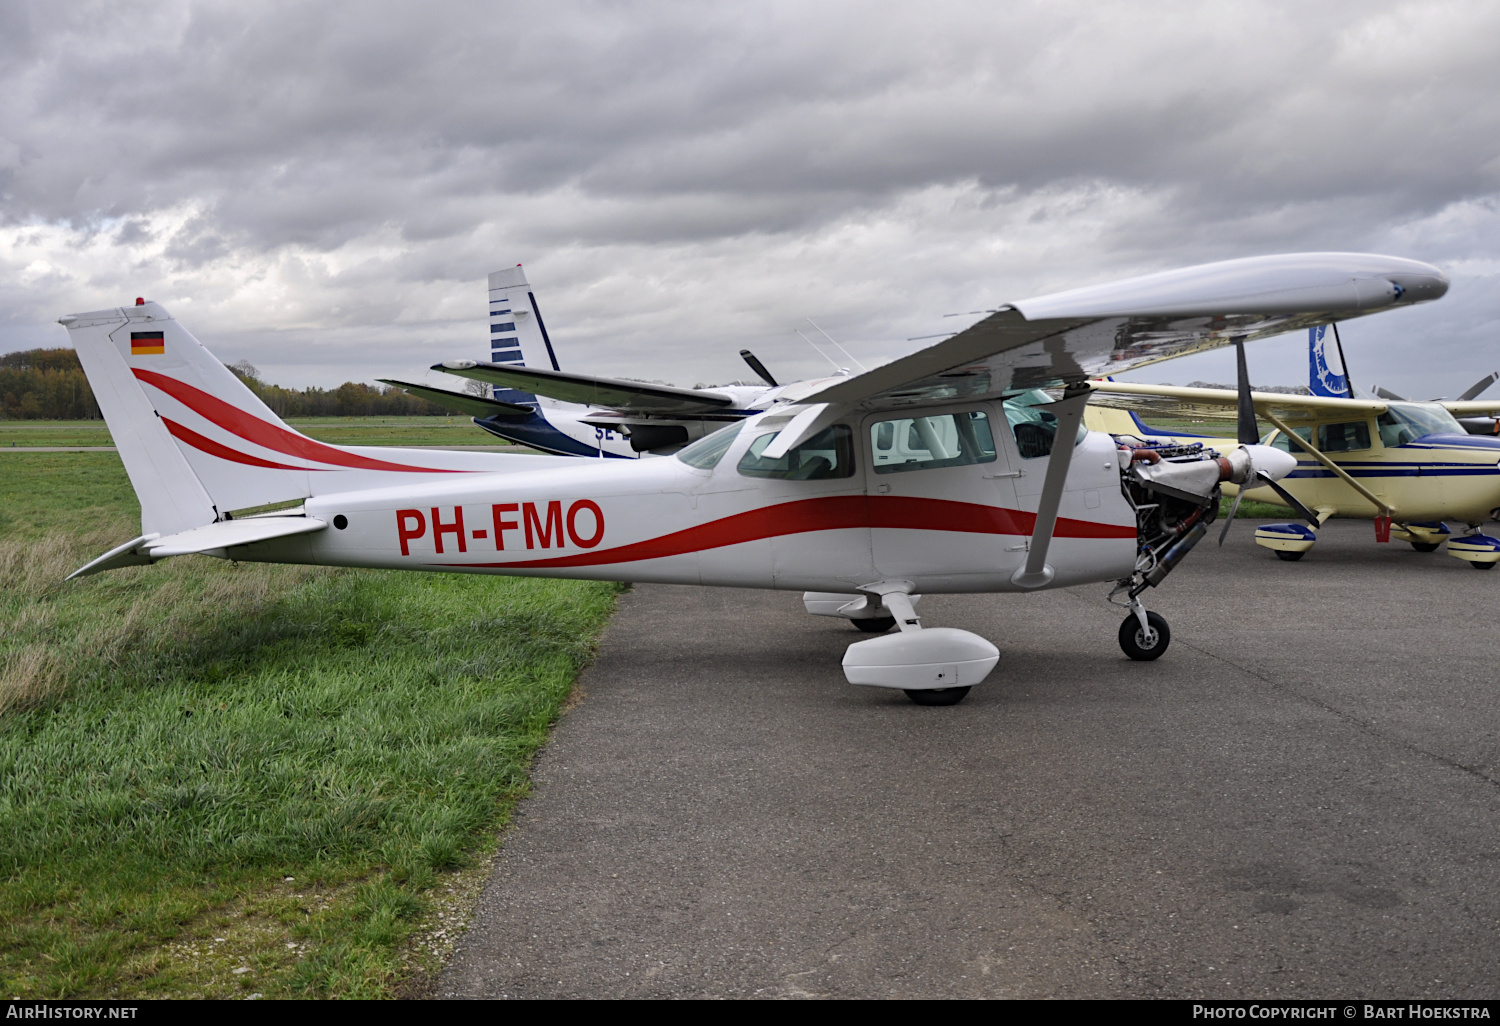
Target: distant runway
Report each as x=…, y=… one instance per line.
x=1299, y=800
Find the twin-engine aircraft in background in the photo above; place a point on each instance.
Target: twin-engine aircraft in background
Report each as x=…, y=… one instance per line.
x=1411, y=466
x=535, y=403
x=947, y=470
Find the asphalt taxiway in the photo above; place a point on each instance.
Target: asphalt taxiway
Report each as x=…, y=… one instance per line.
x=1301, y=799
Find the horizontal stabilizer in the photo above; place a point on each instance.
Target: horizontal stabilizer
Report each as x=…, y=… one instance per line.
x=474, y=405
x=628, y=396
x=211, y=538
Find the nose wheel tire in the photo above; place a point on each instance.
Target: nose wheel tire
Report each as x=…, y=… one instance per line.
x=1290, y=557
x=875, y=624
x=937, y=696
x=1426, y=546
x=1137, y=644
x=1481, y=566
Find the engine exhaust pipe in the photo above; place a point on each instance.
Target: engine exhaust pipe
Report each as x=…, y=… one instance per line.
x=1174, y=555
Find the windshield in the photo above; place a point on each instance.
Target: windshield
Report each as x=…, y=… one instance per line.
x=1033, y=427
x=1405, y=422
x=707, y=451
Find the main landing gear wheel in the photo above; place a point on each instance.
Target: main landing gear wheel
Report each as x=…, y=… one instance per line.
x=1290, y=557
x=937, y=696
x=1137, y=645
x=1426, y=546
x=875, y=624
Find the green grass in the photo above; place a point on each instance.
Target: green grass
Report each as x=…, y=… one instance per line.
x=177, y=741
x=334, y=430
x=1252, y=510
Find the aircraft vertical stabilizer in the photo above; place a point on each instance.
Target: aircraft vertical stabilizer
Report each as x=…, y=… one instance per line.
x=171, y=496
x=1320, y=376
x=518, y=334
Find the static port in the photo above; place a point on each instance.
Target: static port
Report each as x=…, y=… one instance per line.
x=341, y=521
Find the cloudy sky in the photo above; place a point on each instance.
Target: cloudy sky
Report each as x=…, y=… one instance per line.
x=321, y=188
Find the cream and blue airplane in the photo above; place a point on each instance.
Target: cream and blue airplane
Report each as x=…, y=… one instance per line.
x=1412, y=467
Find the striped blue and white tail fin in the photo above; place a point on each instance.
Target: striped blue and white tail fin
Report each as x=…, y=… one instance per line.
x=1320, y=376
x=517, y=333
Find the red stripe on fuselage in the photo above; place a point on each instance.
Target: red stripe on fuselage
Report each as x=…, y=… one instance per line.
x=253, y=429
x=832, y=513
x=213, y=448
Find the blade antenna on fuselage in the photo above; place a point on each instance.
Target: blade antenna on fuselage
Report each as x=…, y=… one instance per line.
x=817, y=350
x=836, y=342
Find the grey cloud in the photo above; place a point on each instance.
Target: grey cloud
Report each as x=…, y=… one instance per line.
x=707, y=160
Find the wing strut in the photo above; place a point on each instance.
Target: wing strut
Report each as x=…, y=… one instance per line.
x=1381, y=507
x=1069, y=413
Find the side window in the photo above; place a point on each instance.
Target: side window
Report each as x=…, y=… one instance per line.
x=927, y=443
x=827, y=454
x=1350, y=437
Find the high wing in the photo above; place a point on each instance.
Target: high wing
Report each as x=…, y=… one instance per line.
x=1472, y=408
x=1220, y=403
x=611, y=393
x=474, y=405
x=1063, y=339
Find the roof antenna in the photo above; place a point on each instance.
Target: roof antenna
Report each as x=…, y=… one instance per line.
x=830, y=338
x=819, y=351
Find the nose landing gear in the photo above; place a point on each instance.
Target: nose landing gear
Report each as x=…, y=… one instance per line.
x=1144, y=643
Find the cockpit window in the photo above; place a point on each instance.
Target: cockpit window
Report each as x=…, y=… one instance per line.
x=827, y=454
x=1406, y=422
x=707, y=451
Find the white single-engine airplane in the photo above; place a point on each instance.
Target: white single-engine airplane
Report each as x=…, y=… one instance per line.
x=944, y=471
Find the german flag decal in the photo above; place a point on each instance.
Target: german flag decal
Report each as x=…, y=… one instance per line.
x=147, y=343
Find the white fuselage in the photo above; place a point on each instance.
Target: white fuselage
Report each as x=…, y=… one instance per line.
x=951, y=529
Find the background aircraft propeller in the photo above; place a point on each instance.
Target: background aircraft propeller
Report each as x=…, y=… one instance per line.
x=758, y=367
x=1248, y=434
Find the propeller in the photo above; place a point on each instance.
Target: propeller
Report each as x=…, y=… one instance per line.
x=1479, y=386
x=1262, y=464
x=1472, y=392
x=758, y=367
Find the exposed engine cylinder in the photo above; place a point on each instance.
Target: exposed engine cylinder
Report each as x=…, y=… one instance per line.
x=1175, y=492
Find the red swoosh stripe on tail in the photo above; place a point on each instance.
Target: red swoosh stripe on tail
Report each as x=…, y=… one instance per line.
x=831, y=513
x=213, y=448
x=253, y=429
